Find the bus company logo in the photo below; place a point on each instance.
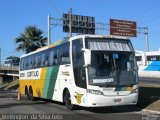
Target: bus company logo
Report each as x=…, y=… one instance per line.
x=78, y=97
x=22, y=74
x=33, y=74
x=66, y=73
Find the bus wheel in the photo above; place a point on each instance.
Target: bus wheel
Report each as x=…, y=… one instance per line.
x=67, y=101
x=31, y=97
x=26, y=93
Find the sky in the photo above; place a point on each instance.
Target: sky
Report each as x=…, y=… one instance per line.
x=15, y=15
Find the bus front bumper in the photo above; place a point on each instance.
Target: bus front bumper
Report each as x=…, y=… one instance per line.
x=101, y=100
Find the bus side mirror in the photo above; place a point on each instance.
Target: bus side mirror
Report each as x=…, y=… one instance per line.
x=87, y=57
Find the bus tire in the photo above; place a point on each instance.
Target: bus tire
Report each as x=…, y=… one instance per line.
x=26, y=93
x=67, y=101
x=31, y=97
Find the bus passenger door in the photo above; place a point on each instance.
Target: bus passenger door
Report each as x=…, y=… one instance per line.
x=79, y=76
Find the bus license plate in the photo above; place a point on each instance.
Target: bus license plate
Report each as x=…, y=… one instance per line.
x=117, y=100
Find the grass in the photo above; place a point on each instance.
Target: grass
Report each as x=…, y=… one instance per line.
x=154, y=106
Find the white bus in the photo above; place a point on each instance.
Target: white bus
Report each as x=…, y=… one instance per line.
x=148, y=61
x=86, y=70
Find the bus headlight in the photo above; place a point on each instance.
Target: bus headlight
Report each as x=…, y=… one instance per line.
x=95, y=92
x=134, y=91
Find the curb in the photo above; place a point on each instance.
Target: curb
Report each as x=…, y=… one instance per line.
x=151, y=111
x=142, y=110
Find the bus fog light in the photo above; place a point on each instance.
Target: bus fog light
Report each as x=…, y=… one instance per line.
x=95, y=92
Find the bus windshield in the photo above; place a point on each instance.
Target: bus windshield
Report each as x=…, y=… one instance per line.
x=112, y=63
x=112, y=69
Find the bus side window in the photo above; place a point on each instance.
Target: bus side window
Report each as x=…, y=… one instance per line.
x=43, y=60
x=51, y=58
x=29, y=63
x=46, y=61
x=149, y=58
x=55, y=57
x=59, y=56
x=39, y=59
x=34, y=61
x=26, y=63
x=158, y=58
x=65, y=54
x=22, y=64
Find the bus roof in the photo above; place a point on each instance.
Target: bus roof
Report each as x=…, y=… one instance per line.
x=59, y=42
x=150, y=53
x=97, y=36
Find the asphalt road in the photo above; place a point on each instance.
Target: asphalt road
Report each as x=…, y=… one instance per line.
x=41, y=109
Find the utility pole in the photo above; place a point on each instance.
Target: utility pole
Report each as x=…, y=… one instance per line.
x=49, y=30
x=70, y=22
x=0, y=58
x=1, y=79
x=147, y=44
x=56, y=24
x=144, y=30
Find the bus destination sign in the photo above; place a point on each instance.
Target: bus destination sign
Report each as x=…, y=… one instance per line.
x=123, y=28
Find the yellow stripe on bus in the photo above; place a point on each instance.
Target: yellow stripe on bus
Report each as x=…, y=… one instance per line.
x=37, y=85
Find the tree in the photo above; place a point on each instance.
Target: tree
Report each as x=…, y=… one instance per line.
x=12, y=61
x=13, y=58
x=30, y=39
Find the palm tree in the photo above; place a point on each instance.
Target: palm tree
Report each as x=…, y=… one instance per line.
x=30, y=39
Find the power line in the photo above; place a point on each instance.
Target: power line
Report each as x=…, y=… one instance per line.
x=45, y=34
x=53, y=5
x=155, y=24
x=150, y=12
x=155, y=32
x=55, y=24
x=146, y=10
x=51, y=24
